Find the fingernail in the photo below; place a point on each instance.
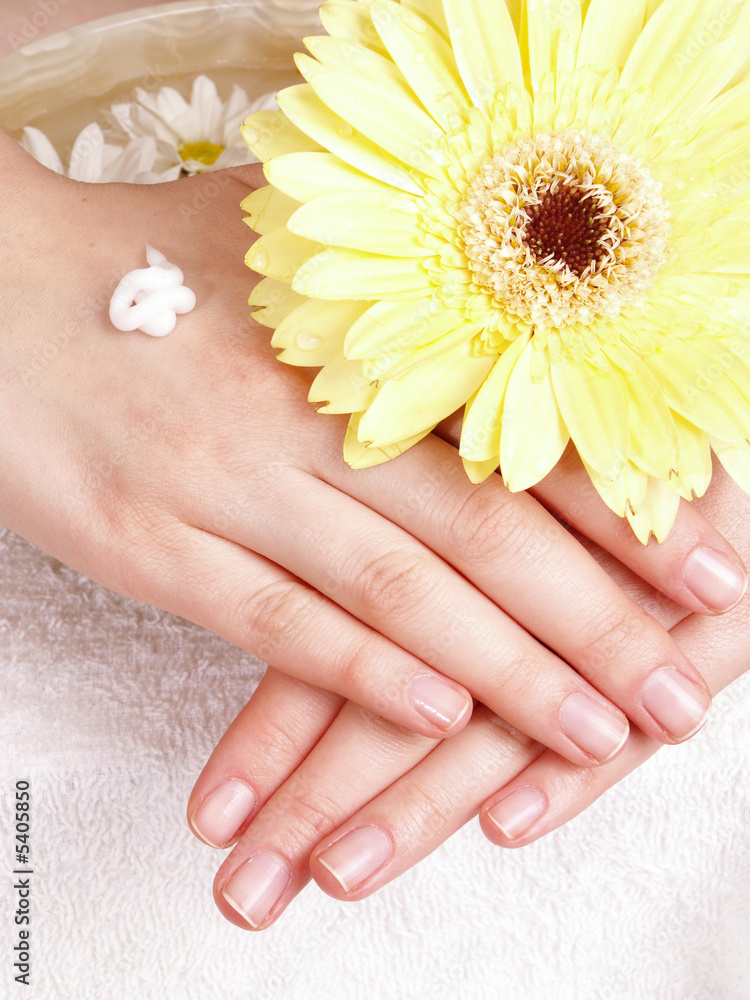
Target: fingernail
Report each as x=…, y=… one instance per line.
x=438, y=702
x=678, y=705
x=714, y=579
x=222, y=812
x=256, y=887
x=357, y=856
x=518, y=811
x=596, y=729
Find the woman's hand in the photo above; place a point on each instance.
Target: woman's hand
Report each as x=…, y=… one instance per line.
x=305, y=783
x=191, y=473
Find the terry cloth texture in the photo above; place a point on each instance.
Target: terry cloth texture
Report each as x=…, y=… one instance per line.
x=110, y=708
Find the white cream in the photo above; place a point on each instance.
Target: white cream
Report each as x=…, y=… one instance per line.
x=149, y=299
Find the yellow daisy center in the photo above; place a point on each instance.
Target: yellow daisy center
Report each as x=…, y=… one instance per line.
x=203, y=152
x=562, y=229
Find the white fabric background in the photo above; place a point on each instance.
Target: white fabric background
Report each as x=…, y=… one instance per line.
x=110, y=708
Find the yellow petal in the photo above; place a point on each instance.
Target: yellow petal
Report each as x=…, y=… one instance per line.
x=694, y=469
x=479, y=471
x=381, y=369
x=708, y=77
x=626, y=494
x=424, y=396
x=554, y=31
x=485, y=45
x=653, y=61
x=390, y=327
x=306, y=109
x=271, y=133
x=342, y=388
x=386, y=114
x=656, y=513
x=736, y=461
x=280, y=254
x=480, y=436
x=594, y=407
x=306, y=176
x=654, y=444
x=274, y=301
x=431, y=12
x=313, y=334
x=706, y=398
x=533, y=434
x=351, y=22
x=359, y=456
x=353, y=274
x=385, y=224
x=426, y=61
x=610, y=31
x=268, y=209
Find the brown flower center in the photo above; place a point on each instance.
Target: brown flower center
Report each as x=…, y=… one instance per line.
x=566, y=228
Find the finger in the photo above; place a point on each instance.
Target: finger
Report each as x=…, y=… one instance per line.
x=358, y=757
x=695, y=565
x=394, y=583
x=517, y=554
x=278, y=618
x=263, y=746
x=422, y=809
x=550, y=792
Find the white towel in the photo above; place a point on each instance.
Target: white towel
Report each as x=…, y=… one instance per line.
x=110, y=708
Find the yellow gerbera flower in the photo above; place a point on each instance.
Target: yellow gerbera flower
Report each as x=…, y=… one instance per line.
x=537, y=208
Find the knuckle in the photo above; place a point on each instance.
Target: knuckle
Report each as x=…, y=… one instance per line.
x=355, y=669
x=393, y=584
x=273, y=615
x=489, y=525
x=429, y=809
x=310, y=814
x=609, y=634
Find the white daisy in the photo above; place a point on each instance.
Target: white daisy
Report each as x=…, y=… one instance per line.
x=199, y=135
x=95, y=160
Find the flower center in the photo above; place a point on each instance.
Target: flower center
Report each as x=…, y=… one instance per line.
x=204, y=152
x=563, y=229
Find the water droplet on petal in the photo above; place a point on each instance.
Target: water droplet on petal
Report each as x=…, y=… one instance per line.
x=252, y=134
x=345, y=130
x=421, y=57
x=260, y=259
x=414, y=22
x=306, y=340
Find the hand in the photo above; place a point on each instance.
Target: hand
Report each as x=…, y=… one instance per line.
x=305, y=785
x=191, y=473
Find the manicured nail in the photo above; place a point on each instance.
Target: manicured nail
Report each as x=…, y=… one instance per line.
x=518, y=811
x=596, y=729
x=256, y=887
x=357, y=856
x=678, y=705
x=438, y=702
x=714, y=579
x=222, y=812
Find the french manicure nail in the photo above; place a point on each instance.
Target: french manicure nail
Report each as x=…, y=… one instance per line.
x=222, y=812
x=357, y=856
x=678, y=705
x=714, y=579
x=596, y=729
x=518, y=811
x=256, y=887
x=438, y=702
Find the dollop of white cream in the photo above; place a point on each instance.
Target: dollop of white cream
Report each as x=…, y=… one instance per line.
x=149, y=299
